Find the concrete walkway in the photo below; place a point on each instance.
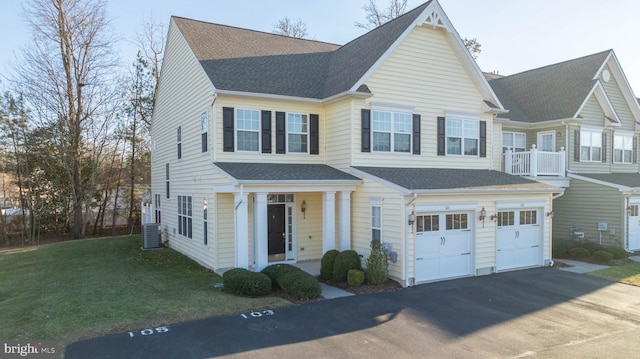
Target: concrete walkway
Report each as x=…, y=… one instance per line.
x=328, y=292
x=583, y=267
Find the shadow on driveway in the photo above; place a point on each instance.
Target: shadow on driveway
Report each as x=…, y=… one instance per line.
x=404, y=322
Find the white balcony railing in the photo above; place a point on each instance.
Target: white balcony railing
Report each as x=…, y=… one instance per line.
x=535, y=162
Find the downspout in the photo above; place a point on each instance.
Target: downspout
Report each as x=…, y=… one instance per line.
x=553, y=198
x=213, y=122
x=406, y=241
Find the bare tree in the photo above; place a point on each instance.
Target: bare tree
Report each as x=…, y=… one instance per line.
x=151, y=39
x=65, y=75
x=287, y=27
x=376, y=16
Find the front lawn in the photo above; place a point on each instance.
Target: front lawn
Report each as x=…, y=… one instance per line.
x=78, y=289
x=626, y=273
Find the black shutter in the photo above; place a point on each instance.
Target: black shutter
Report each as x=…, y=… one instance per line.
x=227, y=129
x=441, y=136
x=266, y=131
x=281, y=133
x=483, y=138
x=576, y=145
x=314, y=136
x=635, y=150
x=416, y=134
x=604, y=146
x=365, y=141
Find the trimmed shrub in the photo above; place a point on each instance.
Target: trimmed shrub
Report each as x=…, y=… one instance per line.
x=326, y=264
x=591, y=246
x=602, y=256
x=617, y=252
x=377, y=264
x=346, y=260
x=275, y=271
x=355, y=277
x=300, y=284
x=245, y=282
x=579, y=253
x=560, y=248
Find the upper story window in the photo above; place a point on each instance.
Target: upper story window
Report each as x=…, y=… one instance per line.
x=623, y=148
x=248, y=130
x=590, y=145
x=391, y=131
x=462, y=136
x=297, y=133
x=516, y=141
x=179, y=141
x=204, y=128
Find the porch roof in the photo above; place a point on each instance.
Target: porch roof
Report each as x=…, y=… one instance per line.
x=247, y=172
x=631, y=180
x=426, y=179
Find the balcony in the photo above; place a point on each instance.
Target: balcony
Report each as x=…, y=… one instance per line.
x=535, y=163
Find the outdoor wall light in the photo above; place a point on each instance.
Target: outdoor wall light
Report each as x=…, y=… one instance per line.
x=493, y=217
x=550, y=214
x=483, y=214
x=303, y=208
x=412, y=218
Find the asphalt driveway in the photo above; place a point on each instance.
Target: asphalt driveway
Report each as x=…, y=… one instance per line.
x=542, y=313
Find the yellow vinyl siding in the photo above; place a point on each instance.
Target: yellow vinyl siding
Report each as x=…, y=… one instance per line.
x=309, y=226
x=338, y=129
x=425, y=74
x=583, y=205
x=226, y=233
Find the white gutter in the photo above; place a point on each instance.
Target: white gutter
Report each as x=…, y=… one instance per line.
x=406, y=242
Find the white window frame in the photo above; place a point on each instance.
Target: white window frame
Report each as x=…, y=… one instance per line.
x=179, y=141
x=290, y=131
x=464, y=122
x=593, y=134
x=239, y=130
x=392, y=130
x=624, y=139
x=513, y=139
x=185, y=216
x=375, y=204
x=204, y=131
x=157, y=197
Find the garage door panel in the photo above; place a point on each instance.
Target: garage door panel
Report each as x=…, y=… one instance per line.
x=633, y=214
x=518, y=239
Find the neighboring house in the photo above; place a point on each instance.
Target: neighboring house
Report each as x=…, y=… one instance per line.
x=581, y=114
x=272, y=149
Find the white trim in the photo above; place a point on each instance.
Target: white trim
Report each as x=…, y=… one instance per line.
x=601, y=96
x=620, y=188
x=387, y=107
x=539, y=135
x=287, y=132
x=623, y=134
x=384, y=182
x=236, y=129
x=521, y=204
x=620, y=77
x=375, y=201
x=462, y=115
x=269, y=96
x=446, y=207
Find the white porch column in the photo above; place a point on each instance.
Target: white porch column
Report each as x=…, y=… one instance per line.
x=328, y=221
x=261, y=244
x=562, y=163
x=533, y=161
x=242, y=230
x=344, y=220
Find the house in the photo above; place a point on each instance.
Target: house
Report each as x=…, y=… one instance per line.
x=580, y=115
x=271, y=149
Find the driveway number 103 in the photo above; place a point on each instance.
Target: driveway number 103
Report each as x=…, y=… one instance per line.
x=149, y=331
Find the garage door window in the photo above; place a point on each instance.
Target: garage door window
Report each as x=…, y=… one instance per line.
x=457, y=221
x=633, y=210
x=427, y=223
x=506, y=218
x=528, y=217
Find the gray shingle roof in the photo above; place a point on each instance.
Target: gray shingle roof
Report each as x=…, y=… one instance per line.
x=244, y=60
x=445, y=178
x=548, y=93
x=623, y=179
x=285, y=172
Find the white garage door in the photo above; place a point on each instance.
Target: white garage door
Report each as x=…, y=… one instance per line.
x=518, y=242
x=634, y=227
x=443, y=246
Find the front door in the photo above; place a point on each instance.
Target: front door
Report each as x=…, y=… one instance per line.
x=277, y=230
x=547, y=141
x=634, y=227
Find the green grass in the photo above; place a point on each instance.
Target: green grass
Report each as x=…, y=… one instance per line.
x=626, y=273
x=78, y=289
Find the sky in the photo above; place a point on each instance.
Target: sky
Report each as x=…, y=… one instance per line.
x=516, y=35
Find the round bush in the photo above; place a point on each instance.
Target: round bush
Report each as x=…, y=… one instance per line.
x=346, y=260
x=579, y=253
x=602, y=256
x=355, y=277
x=377, y=264
x=617, y=252
x=300, y=284
x=592, y=246
x=245, y=282
x=276, y=271
x=326, y=264
x=560, y=248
